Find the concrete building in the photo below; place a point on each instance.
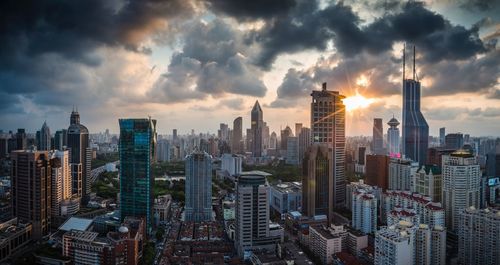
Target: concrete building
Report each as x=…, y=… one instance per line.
x=237, y=146
x=400, y=214
x=323, y=244
x=61, y=180
x=479, y=236
x=429, y=212
x=163, y=153
x=257, y=127
x=328, y=126
x=161, y=208
x=304, y=142
x=376, y=169
x=378, y=137
x=430, y=245
x=198, y=187
x=285, y=134
x=286, y=197
x=31, y=190
x=461, y=185
x=454, y=141
x=80, y=156
x=232, y=164
x=428, y=181
x=395, y=244
x=364, y=211
x=43, y=138
x=252, y=214
x=14, y=236
x=401, y=173
x=360, y=185
x=393, y=141
x=292, y=151
x=442, y=135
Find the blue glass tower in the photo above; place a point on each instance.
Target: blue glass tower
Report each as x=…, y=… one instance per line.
x=415, y=136
x=137, y=150
x=198, y=187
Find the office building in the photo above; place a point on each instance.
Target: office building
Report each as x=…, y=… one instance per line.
x=257, y=126
x=461, y=185
x=286, y=197
x=399, y=214
x=395, y=244
x=44, y=139
x=401, y=173
x=393, y=138
x=479, y=236
x=364, y=210
x=323, y=244
x=328, y=126
x=287, y=132
x=415, y=136
x=442, y=136
x=232, y=164
x=252, y=214
x=15, y=236
x=163, y=151
x=137, y=152
x=378, y=137
x=61, y=139
x=61, y=180
x=21, y=140
x=377, y=171
x=317, y=183
x=237, y=139
x=304, y=142
x=198, y=206
x=31, y=189
x=80, y=156
x=429, y=212
x=273, y=141
x=161, y=208
x=292, y=151
x=493, y=165
x=428, y=181
x=454, y=141
x=223, y=133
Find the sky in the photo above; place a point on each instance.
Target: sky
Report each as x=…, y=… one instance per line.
x=195, y=64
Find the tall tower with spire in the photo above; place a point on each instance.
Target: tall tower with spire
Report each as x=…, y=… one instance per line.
x=256, y=127
x=415, y=128
x=43, y=137
x=393, y=138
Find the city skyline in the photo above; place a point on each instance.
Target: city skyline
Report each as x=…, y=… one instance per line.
x=228, y=55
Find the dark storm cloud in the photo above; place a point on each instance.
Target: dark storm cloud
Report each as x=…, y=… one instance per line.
x=251, y=10
x=215, y=66
x=479, y=5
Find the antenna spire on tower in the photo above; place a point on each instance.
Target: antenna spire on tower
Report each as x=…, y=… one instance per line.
x=404, y=56
x=414, y=70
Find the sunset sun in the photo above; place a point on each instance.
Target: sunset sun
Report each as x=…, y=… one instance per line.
x=357, y=102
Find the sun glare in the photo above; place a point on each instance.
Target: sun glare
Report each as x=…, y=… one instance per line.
x=357, y=102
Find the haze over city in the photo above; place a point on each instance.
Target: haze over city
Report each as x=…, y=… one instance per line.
x=195, y=64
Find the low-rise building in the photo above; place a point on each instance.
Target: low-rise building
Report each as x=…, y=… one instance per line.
x=13, y=236
x=323, y=244
x=286, y=197
x=161, y=208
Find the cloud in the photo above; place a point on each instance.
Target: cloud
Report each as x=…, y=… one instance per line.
x=479, y=5
x=251, y=10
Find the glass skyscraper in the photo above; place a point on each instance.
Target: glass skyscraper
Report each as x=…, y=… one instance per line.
x=137, y=151
x=198, y=187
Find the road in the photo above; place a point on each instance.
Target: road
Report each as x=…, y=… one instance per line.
x=94, y=173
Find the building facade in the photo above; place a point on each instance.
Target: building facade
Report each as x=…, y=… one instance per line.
x=393, y=141
x=137, y=152
x=429, y=182
x=257, y=126
x=378, y=137
x=80, y=156
x=237, y=139
x=401, y=173
x=364, y=211
x=198, y=206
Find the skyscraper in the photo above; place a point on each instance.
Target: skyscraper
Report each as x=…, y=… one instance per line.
x=442, y=135
x=44, y=138
x=454, y=141
x=461, y=185
x=21, y=140
x=304, y=142
x=364, y=210
x=317, y=183
x=415, y=138
x=287, y=132
x=61, y=139
x=328, y=126
x=401, y=173
x=198, y=187
x=256, y=127
x=61, y=180
x=80, y=154
x=31, y=189
x=393, y=138
x=137, y=152
x=292, y=151
x=298, y=129
x=237, y=140
x=378, y=137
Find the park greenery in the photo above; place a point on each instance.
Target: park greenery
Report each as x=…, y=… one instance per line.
x=174, y=188
x=148, y=255
x=103, y=159
x=279, y=172
x=107, y=185
x=168, y=168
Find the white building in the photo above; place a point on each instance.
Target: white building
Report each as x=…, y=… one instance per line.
x=364, y=211
x=430, y=245
x=461, y=185
x=428, y=181
x=395, y=244
x=393, y=137
x=401, y=173
x=399, y=214
x=429, y=212
x=161, y=208
x=360, y=185
x=479, y=236
x=231, y=164
x=323, y=244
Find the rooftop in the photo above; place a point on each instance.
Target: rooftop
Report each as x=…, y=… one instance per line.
x=76, y=223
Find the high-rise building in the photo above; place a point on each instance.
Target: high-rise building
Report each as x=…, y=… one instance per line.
x=198, y=187
x=61, y=139
x=21, y=140
x=80, y=156
x=442, y=135
x=256, y=127
x=461, y=185
x=273, y=141
x=395, y=244
x=364, y=210
x=428, y=212
x=377, y=170
x=454, y=141
x=415, y=137
x=323, y=244
x=378, y=137
x=429, y=182
x=317, y=184
x=252, y=214
x=31, y=189
x=304, y=142
x=479, y=236
x=266, y=137
x=328, y=126
x=287, y=132
x=44, y=139
x=237, y=140
x=61, y=180
x=298, y=129
x=493, y=164
x=163, y=150
x=393, y=138
x=401, y=173
x=223, y=132
x=137, y=152
x=430, y=245
x=292, y=151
